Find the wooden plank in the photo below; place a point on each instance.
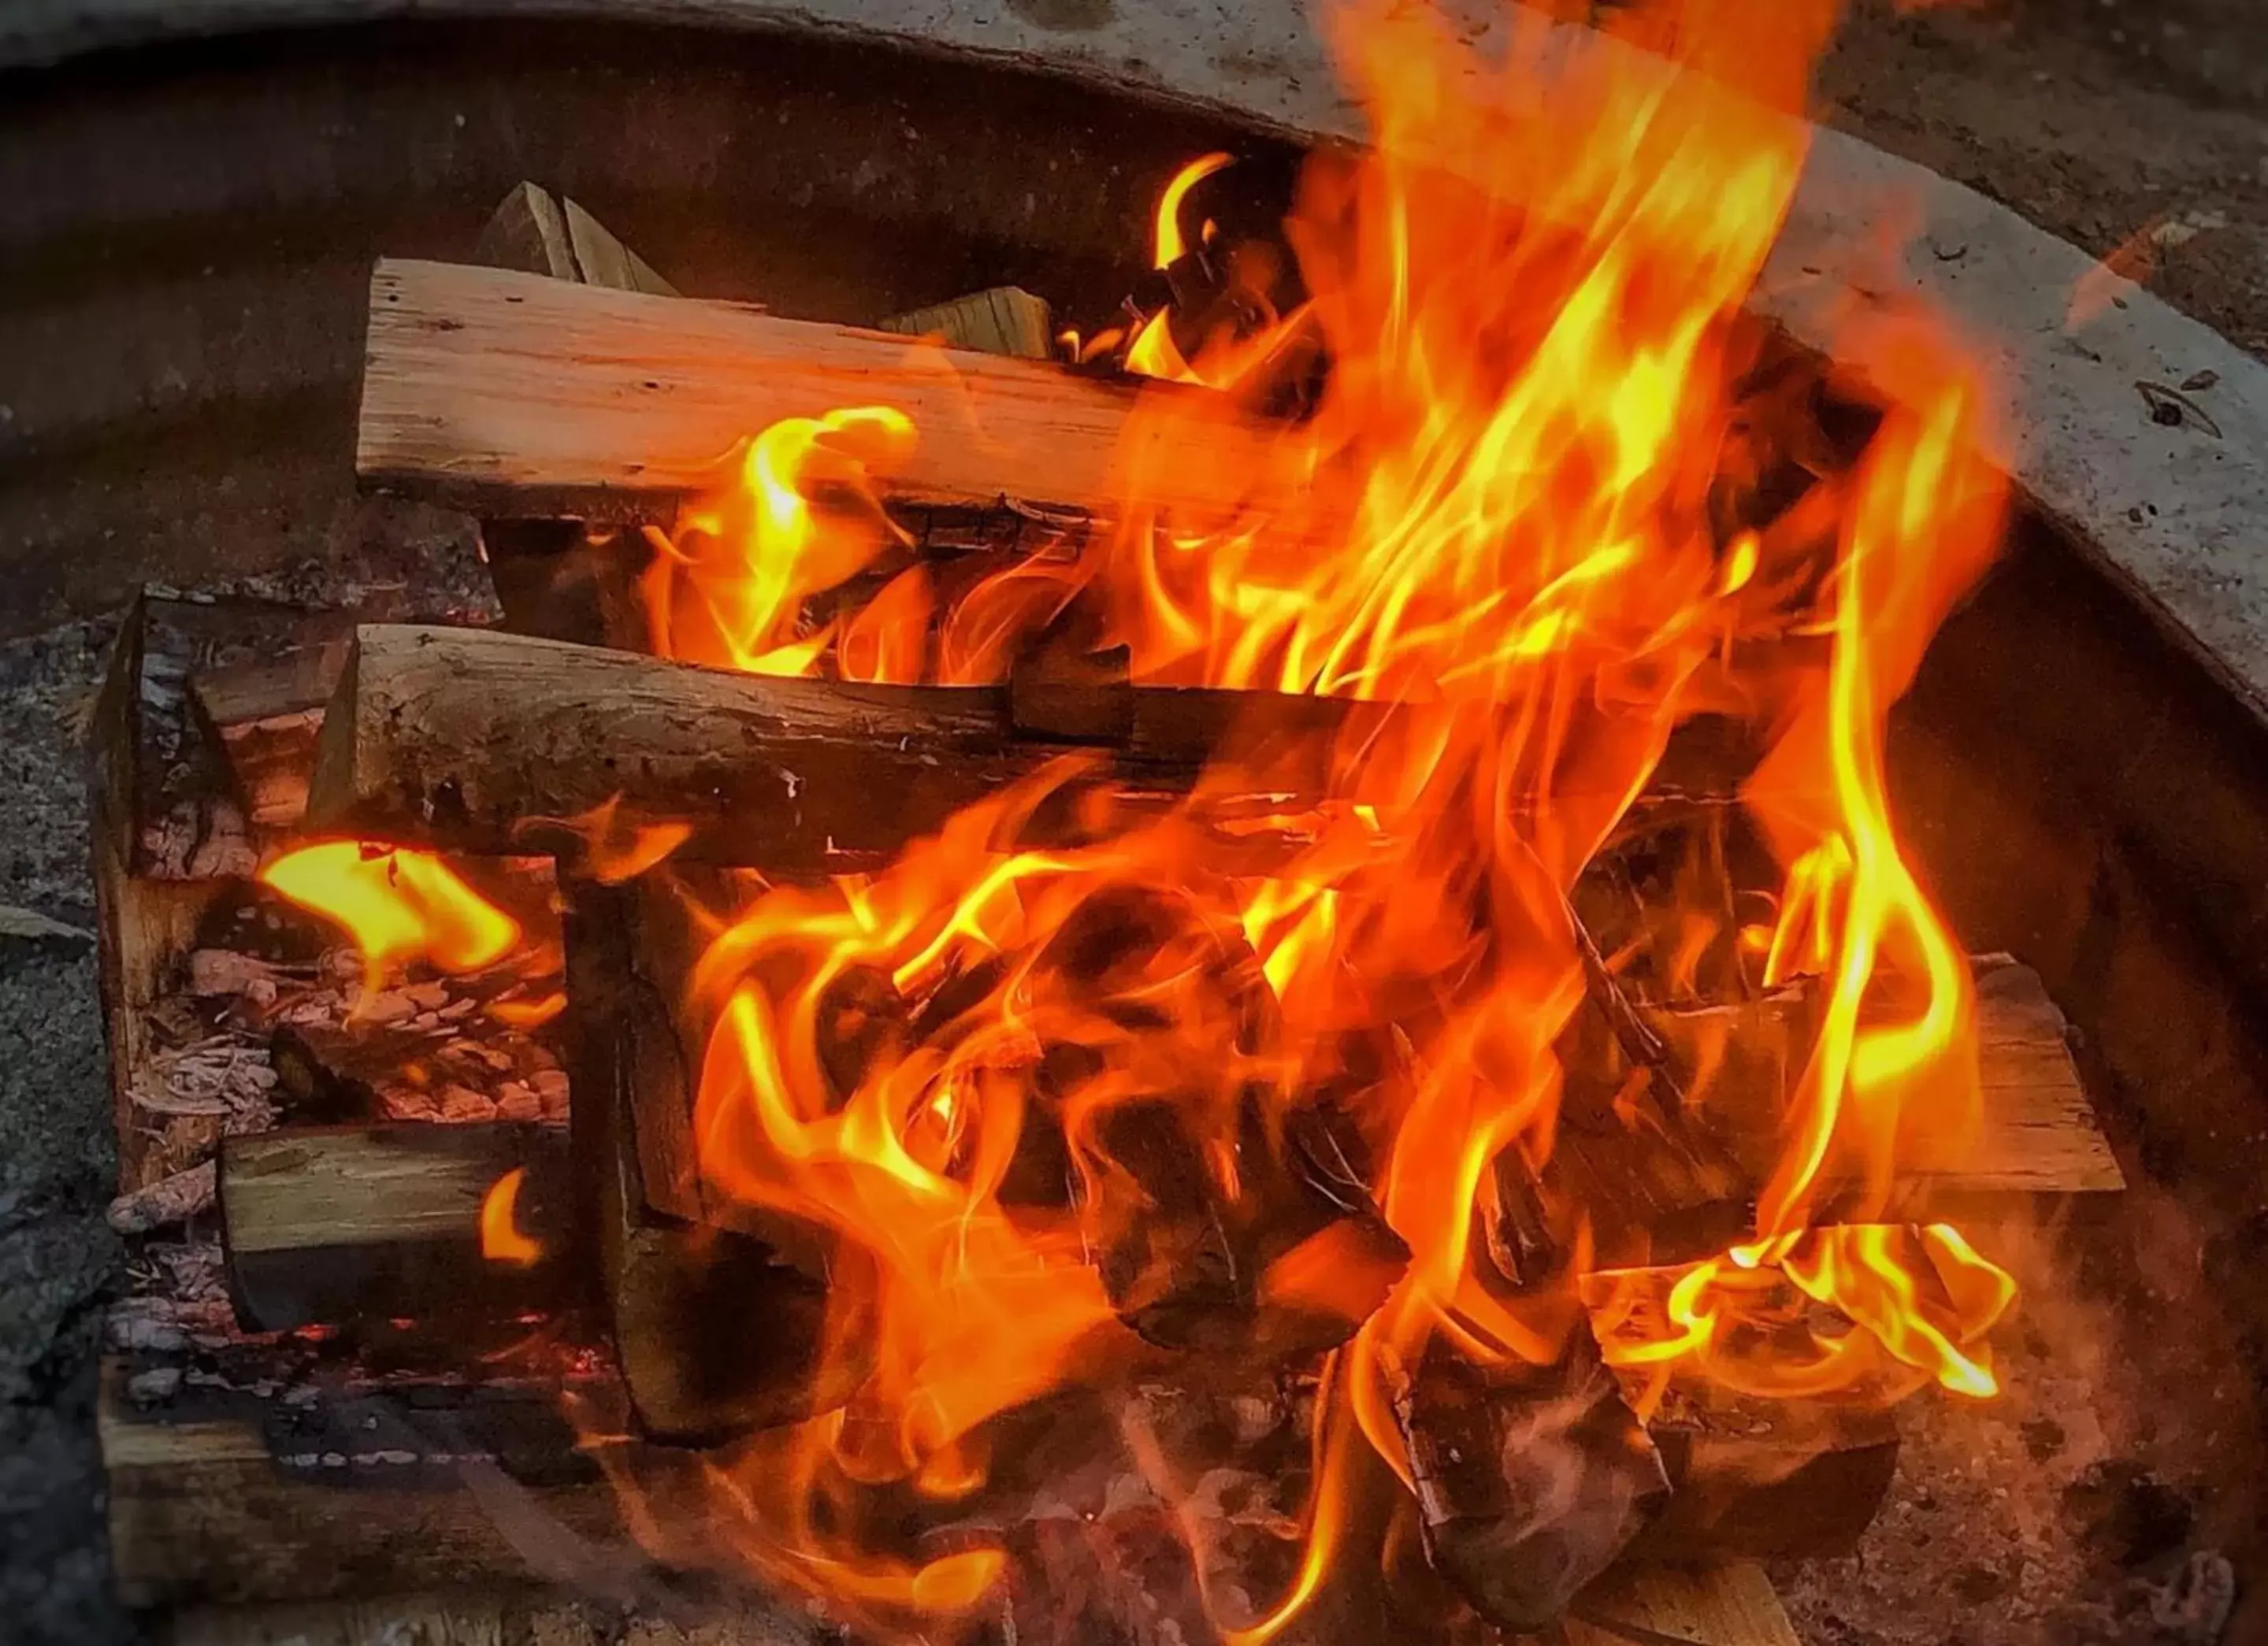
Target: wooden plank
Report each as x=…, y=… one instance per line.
x=1725, y=1605
x=514, y=395
x=551, y=578
x=1001, y=321
x=604, y=260
x=334, y=1225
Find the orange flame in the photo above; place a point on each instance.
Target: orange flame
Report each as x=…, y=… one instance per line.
x=1539, y=507
x=615, y=848
x=501, y=1240
x=399, y=905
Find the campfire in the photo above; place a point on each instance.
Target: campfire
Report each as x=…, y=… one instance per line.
x=1240, y=973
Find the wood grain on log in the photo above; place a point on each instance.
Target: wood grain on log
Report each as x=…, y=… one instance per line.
x=551, y=578
x=1718, y=1603
x=1000, y=320
x=515, y=395
x=333, y=1225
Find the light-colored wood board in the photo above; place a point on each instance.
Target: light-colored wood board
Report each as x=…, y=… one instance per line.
x=1000, y=320
x=304, y=1187
x=520, y=395
x=528, y=232
x=604, y=260
x=1730, y=1604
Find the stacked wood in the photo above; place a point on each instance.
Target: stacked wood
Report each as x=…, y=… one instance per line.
x=204, y=735
x=554, y=576
x=538, y=232
x=331, y=1224
x=1680, y=1185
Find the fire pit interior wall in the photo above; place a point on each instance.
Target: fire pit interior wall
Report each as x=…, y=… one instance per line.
x=186, y=275
x=2085, y=790
x=186, y=239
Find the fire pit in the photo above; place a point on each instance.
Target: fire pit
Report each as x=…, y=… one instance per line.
x=1239, y=971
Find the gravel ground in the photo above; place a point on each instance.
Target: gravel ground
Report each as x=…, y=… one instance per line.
x=56, y=1164
x=2110, y=121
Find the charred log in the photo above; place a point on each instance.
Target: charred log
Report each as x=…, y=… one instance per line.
x=720, y=1330
x=1531, y=1481
x=455, y=736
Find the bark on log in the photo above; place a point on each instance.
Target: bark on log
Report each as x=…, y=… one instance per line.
x=517, y=396
x=459, y=738
x=170, y=1200
x=335, y=1225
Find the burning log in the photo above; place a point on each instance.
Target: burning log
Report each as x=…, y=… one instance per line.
x=332, y=1225
x=459, y=737
x=636, y=399
x=720, y=1330
x=202, y=734
x=1531, y=1481
x=1291, y=1265
x=1683, y=1186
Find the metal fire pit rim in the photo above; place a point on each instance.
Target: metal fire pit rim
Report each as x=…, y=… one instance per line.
x=2173, y=510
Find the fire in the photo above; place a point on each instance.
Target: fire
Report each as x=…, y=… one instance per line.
x=399, y=905
x=1057, y=1058
x=501, y=1240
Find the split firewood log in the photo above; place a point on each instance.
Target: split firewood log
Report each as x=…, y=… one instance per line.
x=329, y=1225
x=1531, y=1481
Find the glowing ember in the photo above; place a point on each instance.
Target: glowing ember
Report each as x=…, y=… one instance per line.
x=501, y=1240
x=1555, y=499
x=398, y=906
